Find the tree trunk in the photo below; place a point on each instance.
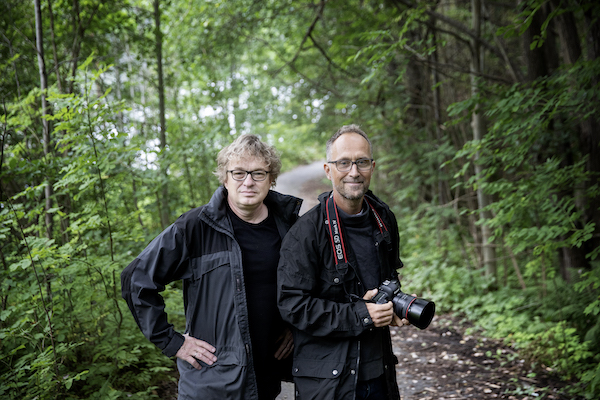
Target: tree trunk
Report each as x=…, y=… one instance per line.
x=567, y=32
x=573, y=258
x=39, y=36
x=76, y=44
x=487, y=250
x=437, y=113
x=534, y=58
x=164, y=188
x=590, y=132
x=54, y=51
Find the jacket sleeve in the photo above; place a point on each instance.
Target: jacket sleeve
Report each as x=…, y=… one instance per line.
x=163, y=261
x=298, y=297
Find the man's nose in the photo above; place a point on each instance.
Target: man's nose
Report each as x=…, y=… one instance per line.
x=249, y=181
x=354, y=170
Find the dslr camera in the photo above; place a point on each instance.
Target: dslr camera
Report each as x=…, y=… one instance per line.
x=419, y=312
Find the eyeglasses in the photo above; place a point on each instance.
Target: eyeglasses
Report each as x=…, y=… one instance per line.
x=363, y=164
x=257, y=176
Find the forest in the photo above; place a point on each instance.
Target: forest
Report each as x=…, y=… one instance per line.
x=483, y=114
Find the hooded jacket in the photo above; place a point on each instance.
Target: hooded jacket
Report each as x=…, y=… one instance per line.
x=200, y=249
x=323, y=303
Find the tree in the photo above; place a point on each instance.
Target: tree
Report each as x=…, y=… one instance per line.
x=45, y=111
x=164, y=193
x=488, y=252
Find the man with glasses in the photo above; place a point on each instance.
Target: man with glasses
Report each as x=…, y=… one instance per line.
x=226, y=252
x=332, y=262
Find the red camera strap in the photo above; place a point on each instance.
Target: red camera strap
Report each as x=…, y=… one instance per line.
x=335, y=229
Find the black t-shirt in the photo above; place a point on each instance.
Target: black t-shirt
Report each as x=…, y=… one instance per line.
x=359, y=231
x=260, y=244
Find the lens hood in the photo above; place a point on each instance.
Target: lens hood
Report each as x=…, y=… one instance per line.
x=420, y=312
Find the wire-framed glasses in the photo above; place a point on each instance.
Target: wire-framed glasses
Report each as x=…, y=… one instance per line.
x=258, y=176
x=363, y=164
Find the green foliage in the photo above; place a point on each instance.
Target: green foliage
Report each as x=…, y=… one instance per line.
x=62, y=330
x=589, y=286
x=540, y=184
x=292, y=72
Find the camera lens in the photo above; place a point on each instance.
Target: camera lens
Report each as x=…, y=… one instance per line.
x=419, y=312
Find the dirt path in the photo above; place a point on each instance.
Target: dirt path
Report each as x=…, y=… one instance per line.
x=306, y=182
x=442, y=362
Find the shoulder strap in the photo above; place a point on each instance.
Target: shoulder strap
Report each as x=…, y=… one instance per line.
x=335, y=229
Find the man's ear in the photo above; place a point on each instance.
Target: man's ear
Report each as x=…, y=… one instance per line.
x=327, y=169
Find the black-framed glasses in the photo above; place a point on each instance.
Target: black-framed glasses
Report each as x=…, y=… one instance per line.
x=363, y=164
x=258, y=176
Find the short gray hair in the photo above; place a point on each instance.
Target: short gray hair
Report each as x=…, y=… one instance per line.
x=347, y=129
x=248, y=146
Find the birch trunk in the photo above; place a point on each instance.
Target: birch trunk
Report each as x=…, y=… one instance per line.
x=488, y=252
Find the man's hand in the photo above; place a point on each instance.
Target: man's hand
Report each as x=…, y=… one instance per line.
x=399, y=321
x=194, y=350
x=286, y=346
x=380, y=311
x=381, y=314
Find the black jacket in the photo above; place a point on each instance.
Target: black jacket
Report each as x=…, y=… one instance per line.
x=313, y=296
x=200, y=249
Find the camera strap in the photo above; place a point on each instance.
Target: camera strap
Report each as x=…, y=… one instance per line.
x=335, y=229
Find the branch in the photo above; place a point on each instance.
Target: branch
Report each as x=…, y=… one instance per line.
x=274, y=73
x=331, y=62
x=454, y=67
x=460, y=28
x=79, y=32
x=306, y=36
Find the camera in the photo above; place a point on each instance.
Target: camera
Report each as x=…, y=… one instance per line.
x=418, y=312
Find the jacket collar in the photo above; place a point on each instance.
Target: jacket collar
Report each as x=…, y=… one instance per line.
x=283, y=206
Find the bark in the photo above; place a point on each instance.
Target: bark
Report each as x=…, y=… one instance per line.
x=534, y=58
x=573, y=257
x=76, y=43
x=79, y=28
x=54, y=51
x=567, y=33
x=590, y=131
x=39, y=36
x=164, y=188
x=64, y=200
x=437, y=114
x=487, y=249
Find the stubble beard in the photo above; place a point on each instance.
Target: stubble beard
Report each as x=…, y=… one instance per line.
x=352, y=195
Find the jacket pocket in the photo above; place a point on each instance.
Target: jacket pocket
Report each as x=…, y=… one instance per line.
x=317, y=368
x=208, y=263
x=334, y=279
x=211, y=311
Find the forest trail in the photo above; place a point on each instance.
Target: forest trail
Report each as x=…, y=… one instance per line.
x=306, y=182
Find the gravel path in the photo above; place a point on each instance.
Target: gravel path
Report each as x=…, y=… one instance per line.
x=306, y=182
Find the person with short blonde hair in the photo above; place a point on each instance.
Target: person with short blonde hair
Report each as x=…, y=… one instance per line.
x=236, y=345
x=248, y=146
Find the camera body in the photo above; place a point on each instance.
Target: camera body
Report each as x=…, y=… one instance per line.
x=419, y=312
